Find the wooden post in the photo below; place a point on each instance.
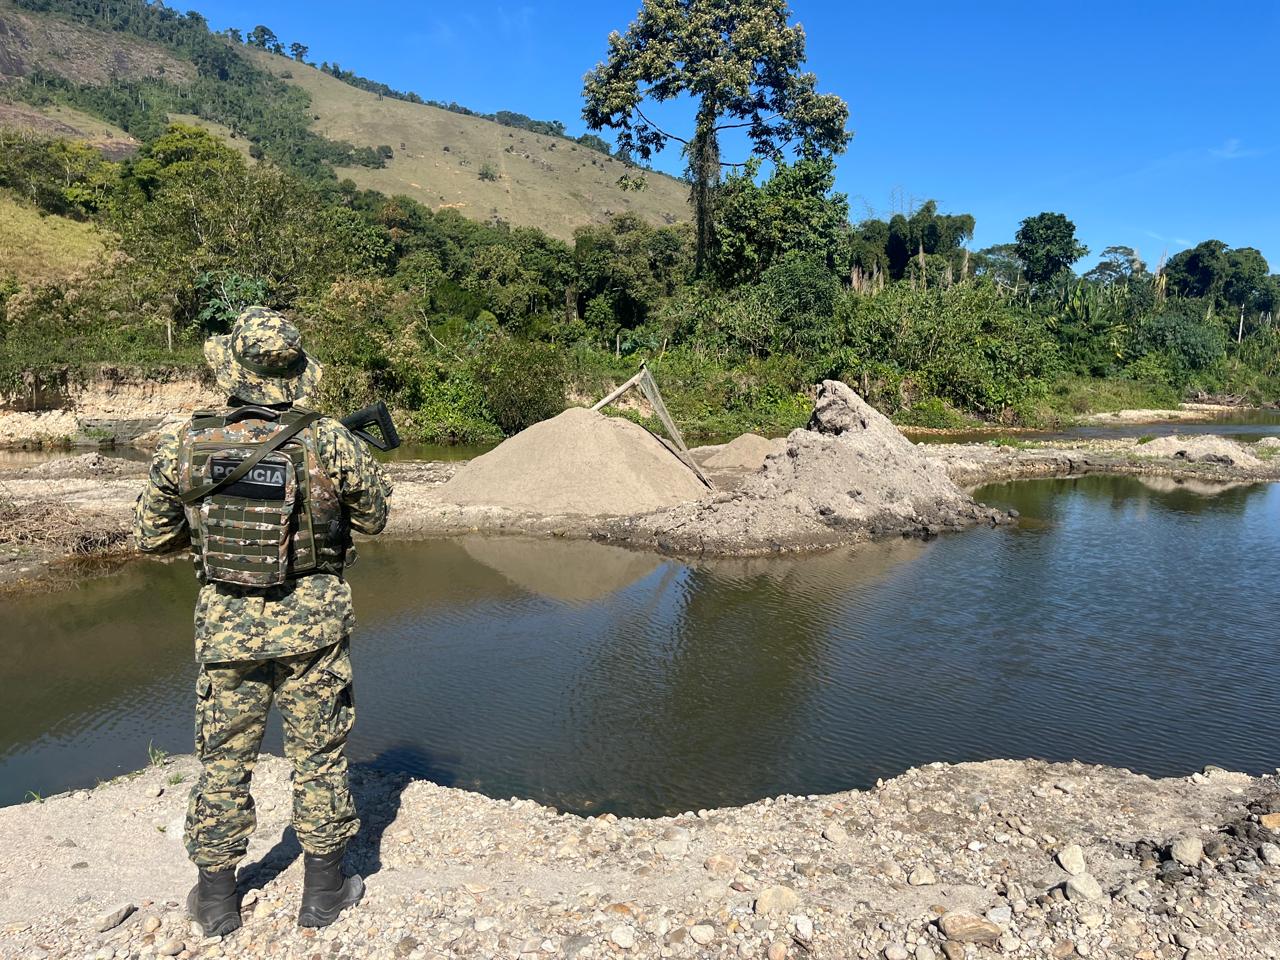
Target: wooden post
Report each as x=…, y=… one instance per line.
x=621, y=390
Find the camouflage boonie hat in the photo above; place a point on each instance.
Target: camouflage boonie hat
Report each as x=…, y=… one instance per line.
x=261, y=360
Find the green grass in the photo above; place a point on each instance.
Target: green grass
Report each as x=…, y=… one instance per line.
x=176, y=778
x=33, y=797
x=1077, y=396
x=36, y=247
x=157, y=755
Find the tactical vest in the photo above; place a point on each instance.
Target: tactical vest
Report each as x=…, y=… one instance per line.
x=283, y=519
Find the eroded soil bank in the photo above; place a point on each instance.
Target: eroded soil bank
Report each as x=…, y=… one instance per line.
x=1001, y=858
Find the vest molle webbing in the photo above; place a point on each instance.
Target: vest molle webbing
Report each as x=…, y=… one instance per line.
x=280, y=520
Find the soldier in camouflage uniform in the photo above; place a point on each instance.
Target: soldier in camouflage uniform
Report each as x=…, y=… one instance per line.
x=273, y=617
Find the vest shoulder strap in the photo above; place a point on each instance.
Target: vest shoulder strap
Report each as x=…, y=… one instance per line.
x=291, y=430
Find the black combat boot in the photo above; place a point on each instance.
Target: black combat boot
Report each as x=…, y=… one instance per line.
x=326, y=892
x=213, y=903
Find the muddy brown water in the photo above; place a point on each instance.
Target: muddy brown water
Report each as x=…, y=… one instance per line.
x=1125, y=621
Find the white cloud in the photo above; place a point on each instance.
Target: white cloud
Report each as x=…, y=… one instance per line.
x=1233, y=149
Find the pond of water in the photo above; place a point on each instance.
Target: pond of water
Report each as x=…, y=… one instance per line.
x=1123, y=621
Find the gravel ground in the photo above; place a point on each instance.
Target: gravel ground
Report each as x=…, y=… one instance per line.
x=1002, y=858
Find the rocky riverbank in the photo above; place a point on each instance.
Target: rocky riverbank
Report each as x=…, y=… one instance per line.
x=1001, y=858
x=59, y=518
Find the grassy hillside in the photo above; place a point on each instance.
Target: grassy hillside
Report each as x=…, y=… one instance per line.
x=36, y=247
x=486, y=171
x=542, y=181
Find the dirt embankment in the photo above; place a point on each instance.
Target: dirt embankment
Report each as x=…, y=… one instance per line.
x=110, y=406
x=978, y=860
x=1205, y=459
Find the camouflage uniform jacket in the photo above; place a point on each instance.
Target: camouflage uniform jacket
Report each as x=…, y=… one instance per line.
x=235, y=623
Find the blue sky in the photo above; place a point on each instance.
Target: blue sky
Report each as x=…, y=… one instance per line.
x=1155, y=125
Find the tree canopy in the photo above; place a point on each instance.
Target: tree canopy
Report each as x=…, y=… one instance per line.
x=741, y=62
x=1046, y=244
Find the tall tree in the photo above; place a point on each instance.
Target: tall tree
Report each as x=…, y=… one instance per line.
x=1117, y=264
x=1200, y=271
x=299, y=51
x=740, y=61
x=1046, y=245
x=1246, y=277
x=795, y=210
x=925, y=231
x=261, y=36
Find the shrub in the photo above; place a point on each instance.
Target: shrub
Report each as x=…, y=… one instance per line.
x=1193, y=344
x=521, y=382
x=934, y=413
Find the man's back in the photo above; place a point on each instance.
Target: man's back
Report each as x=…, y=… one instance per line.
x=305, y=613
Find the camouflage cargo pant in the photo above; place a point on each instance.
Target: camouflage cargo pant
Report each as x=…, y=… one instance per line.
x=313, y=694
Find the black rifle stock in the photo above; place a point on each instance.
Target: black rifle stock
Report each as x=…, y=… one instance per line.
x=374, y=426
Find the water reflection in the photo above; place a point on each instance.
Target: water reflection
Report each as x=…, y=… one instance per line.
x=1103, y=627
x=572, y=571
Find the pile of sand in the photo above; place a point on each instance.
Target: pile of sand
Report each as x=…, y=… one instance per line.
x=747, y=452
x=1201, y=449
x=580, y=462
x=849, y=475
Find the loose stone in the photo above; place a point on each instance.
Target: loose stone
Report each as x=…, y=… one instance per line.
x=835, y=833
x=1082, y=888
x=776, y=899
x=963, y=927
x=720, y=865
x=623, y=936
x=1071, y=859
x=1187, y=850
x=921, y=877
x=804, y=929
x=113, y=917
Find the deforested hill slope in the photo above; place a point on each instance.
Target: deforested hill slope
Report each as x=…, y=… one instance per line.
x=45, y=41
x=545, y=182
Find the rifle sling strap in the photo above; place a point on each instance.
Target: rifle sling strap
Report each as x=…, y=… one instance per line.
x=251, y=461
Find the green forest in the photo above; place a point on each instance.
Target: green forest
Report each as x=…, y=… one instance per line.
x=473, y=330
